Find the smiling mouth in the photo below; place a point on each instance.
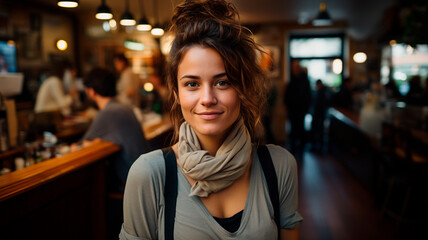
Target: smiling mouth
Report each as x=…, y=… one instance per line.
x=209, y=115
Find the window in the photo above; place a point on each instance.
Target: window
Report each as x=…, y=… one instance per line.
x=322, y=56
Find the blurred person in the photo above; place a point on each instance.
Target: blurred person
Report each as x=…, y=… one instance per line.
x=391, y=90
x=216, y=92
x=51, y=96
x=415, y=94
x=116, y=123
x=320, y=105
x=297, y=99
x=128, y=85
x=343, y=98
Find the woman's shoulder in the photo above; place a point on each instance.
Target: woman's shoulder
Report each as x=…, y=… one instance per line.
x=283, y=160
x=148, y=165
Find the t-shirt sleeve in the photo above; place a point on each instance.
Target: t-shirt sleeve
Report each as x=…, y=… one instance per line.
x=143, y=199
x=100, y=127
x=286, y=171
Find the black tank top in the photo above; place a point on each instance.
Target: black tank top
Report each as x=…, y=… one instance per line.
x=231, y=224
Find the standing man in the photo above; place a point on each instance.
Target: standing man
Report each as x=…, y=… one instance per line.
x=297, y=100
x=115, y=122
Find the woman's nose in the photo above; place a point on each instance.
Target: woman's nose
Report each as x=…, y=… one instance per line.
x=208, y=96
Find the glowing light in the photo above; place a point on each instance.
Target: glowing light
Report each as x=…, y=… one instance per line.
x=137, y=46
x=400, y=76
x=11, y=43
x=157, y=31
x=360, y=57
x=144, y=27
x=392, y=43
x=61, y=45
x=127, y=22
x=409, y=49
x=337, y=66
x=148, y=87
x=106, y=26
x=113, y=24
x=68, y=4
x=104, y=16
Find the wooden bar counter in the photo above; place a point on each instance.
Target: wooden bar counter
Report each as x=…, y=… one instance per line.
x=60, y=198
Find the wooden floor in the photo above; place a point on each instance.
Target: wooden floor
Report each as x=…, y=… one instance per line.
x=335, y=205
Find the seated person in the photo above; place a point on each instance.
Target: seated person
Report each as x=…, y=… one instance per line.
x=115, y=122
x=51, y=96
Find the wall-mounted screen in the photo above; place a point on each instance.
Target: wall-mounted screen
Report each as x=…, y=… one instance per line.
x=8, y=57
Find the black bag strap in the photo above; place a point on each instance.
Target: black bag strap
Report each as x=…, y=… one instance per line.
x=170, y=191
x=272, y=182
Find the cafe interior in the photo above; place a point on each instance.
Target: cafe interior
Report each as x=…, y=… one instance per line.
x=363, y=171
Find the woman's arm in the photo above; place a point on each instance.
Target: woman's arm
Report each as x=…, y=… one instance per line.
x=142, y=197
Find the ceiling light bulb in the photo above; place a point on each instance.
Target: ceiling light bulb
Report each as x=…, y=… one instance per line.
x=157, y=31
x=127, y=19
x=61, y=45
x=68, y=3
x=144, y=25
x=359, y=57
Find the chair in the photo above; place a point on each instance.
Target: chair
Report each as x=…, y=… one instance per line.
x=403, y=176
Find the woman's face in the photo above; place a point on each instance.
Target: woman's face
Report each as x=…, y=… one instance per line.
x=208, y=101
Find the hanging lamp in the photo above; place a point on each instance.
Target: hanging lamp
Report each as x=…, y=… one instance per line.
x=143, y=23
x=68, y=3
x=157, y=30
x=127, y=19
x=323, y=17
x=103, y=11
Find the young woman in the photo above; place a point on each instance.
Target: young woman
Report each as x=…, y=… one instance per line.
x=216, y=94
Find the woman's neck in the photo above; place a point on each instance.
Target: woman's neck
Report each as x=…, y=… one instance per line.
x=211, y=144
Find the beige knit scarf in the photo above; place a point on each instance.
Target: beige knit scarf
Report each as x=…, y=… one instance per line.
x=214, y=173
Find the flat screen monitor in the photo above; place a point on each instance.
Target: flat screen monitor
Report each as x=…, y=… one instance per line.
x=11, y=84
x=8, y=57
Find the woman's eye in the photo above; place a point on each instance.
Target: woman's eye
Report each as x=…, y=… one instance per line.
x=223, y=83
x=191, y=84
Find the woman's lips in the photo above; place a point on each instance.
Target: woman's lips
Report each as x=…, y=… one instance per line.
x=209, y=115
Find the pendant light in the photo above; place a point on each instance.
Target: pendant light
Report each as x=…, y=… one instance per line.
x=323, y=18
x=103, y=11
x=157, y=31
x=127, y=19
x=143, y=23
x=68, y=3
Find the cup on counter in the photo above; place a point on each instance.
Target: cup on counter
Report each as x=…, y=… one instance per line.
x=19, y=163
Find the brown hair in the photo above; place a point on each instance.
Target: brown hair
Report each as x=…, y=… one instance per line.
x=214, y=24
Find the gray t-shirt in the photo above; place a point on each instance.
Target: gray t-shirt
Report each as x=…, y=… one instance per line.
x=144, y=202
x=117, y=123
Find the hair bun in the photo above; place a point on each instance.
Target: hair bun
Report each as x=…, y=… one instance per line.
x=196, y=11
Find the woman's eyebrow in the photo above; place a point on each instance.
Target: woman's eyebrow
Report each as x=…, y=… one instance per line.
x=220, y=75
x=190, y=76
